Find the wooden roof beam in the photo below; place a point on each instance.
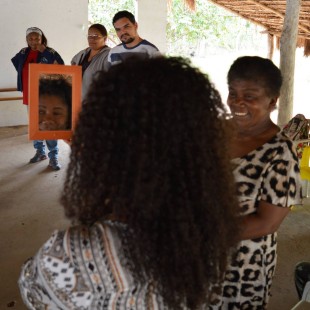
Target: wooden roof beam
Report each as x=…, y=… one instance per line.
x=267, y=8
x=263, y=6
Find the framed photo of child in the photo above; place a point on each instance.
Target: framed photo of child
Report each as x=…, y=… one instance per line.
x=54, y=101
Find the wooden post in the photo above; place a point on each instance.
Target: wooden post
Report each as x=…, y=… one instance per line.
x=287, y=60
x=270, y=45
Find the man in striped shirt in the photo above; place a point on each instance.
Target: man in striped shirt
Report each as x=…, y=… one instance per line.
x=132, y=44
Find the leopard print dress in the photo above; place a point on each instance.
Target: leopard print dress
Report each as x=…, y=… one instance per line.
x=269, y=173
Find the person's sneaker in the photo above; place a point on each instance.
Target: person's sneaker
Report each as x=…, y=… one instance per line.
x=37, y=157
x=54, y=164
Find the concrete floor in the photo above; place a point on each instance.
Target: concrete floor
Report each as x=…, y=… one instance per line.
x=30, y=211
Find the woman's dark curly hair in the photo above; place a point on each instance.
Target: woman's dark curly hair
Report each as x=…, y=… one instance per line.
x=150, y=146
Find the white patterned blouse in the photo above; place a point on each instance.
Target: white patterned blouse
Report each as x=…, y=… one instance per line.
x=81, y=268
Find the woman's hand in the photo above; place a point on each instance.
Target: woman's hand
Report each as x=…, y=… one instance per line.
x=41, y=48
x=266, y=221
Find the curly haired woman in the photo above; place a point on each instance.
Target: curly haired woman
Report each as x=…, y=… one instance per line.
x=151, y=191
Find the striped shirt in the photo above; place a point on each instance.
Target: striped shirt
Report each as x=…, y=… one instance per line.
x=143, y=50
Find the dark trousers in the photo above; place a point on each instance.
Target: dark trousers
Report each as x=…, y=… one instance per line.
x=302, y=276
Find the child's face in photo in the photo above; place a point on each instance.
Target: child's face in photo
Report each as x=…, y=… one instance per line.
x=53, y=113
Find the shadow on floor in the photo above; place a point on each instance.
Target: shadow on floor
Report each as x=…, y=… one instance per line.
x=30, y=212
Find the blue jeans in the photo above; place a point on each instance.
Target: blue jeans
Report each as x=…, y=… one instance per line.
x=51, y=145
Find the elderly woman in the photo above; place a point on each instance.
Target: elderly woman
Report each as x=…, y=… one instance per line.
x=93, y=58
x=267, y=175
x=150, y=180
x=36, y=52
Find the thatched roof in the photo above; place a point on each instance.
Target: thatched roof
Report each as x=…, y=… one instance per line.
x=270, y=15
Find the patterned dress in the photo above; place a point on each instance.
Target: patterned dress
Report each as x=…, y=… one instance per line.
x=269, y=173
x=81, y=268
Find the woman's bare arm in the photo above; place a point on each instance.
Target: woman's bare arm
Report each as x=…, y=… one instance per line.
x=266, y=221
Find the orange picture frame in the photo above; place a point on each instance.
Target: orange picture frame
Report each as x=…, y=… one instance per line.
x=35, y=72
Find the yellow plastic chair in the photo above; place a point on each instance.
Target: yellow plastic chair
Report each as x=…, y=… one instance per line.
x=304, y=164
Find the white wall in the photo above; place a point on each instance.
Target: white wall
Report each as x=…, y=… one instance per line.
x=65, y=25
x=151, y=16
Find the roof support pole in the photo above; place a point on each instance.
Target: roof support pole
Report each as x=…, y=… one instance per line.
x=287, y=60
x=270, y=45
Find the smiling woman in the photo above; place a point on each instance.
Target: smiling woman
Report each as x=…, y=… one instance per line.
x=265, y=166
x=55, y=102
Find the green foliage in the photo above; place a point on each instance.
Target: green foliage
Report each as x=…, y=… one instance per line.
x=102, y=11
x=207, y=28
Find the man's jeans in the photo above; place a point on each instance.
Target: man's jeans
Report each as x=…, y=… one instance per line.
x=51, y=145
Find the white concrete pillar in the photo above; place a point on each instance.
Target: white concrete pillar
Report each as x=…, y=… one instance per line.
x=151, y=16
